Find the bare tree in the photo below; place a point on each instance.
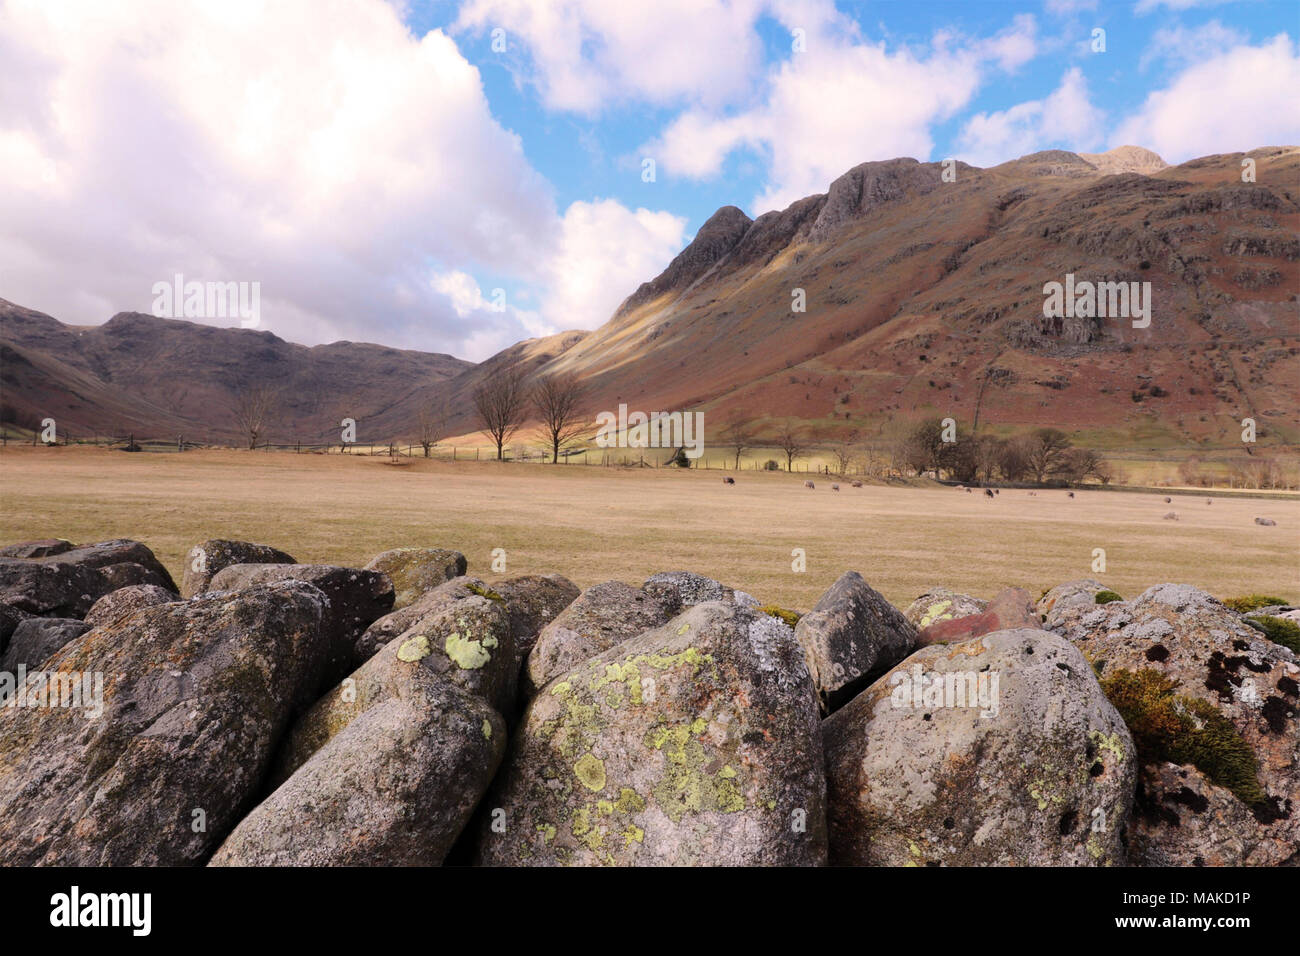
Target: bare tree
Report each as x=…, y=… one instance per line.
x=790, y=439
x=431, y=421
x=252, y=408
x=501, y=403
x=1047, y=451
x=739, y=437
x=556, y=398
x=845, y=451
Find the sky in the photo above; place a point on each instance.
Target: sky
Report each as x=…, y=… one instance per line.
x=457, y=176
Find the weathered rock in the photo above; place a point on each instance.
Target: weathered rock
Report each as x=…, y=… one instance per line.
x=599, y=618
x=941, y=604
x=1079, y=595
x=1180, y=818
x=10, y=618
x=195, y=697
x=36, y=639
x=1196, y=681
x=66, y=584
x=686, y=589
x=1009, y=609
x=533, y=601
x=393, y=786
x=415, y=571
x=850, y=636
x=695, y=743
x=1000, y=750
x=207, y=558
x=126, y=600
x=44, y=548
x=356, y=599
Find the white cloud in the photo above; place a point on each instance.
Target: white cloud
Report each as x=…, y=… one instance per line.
x=605, y=252
x=842, y=102
x=1063, y=8
x=1240, y=99
x=586, y=54
x=1181, y=45
x=1066, y=119
x=1150, y=6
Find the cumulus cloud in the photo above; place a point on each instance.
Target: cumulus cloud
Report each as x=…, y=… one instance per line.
x=1066, y=119
x=1180, y=45
x=586, y=54
x=317, y=148
x=843, y=101
x=1236, y=100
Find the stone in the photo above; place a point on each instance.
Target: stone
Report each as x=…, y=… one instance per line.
x=207, y=558
x=1011, y=608
x=850, y=636
x=195, y=698
x=356, y=599
x=941, y=604
x=415, y=571
x=598, y=619
x=1001, y=751
x=36, y=639
x=125, y=601
x=696, y=743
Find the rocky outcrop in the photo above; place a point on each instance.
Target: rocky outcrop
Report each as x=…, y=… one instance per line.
x=36, y=639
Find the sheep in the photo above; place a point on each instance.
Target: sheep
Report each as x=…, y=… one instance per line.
x=1168, y=500
x=857, y=484
x=1171, y=516
x=987, y=492
x=997, y=491
x=835, y=487
x=728, y=480
x=809, y=484
x=1072, y=494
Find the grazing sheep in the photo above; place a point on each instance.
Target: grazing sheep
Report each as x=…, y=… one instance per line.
x=1072, y=494
x=1168, y=500
x=857, y=484
x=809, y=484
x=997, y=491
x=987, y=492
x=1266, y=522
x=1171, y=516
x=835, y=487
x=728, y=481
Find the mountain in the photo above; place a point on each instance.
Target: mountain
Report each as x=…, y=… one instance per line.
x=923, y=296
x=165, y=377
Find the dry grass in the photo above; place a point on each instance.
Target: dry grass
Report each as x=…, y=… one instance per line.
x=593, y=524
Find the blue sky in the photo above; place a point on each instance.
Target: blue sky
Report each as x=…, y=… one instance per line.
x=597, y=152
x=386, y=175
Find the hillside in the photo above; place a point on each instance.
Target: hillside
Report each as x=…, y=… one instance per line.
x=922, y=297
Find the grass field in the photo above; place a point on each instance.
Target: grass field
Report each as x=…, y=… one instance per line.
x=594, y=524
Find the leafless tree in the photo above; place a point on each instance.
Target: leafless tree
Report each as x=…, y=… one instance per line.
x=739, y=437
x=1047, y=452
x=845, y=451
x=252, y=409
x=431, y=421
x=556, y=398
x=501, y=403
x=790, y=439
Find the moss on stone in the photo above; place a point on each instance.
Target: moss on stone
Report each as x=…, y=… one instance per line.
x=1278, y=630
x=781, y=614
x=1253, y=602
x=1105, y=597
x=1184, y=730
